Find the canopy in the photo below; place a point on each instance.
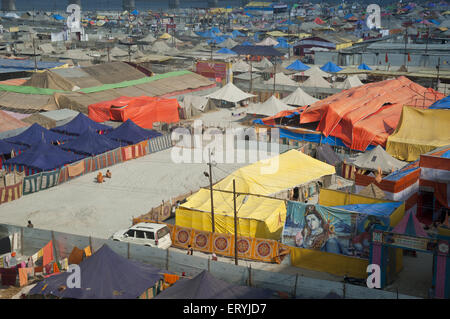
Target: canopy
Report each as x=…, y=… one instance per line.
x=142, y=110
x=330, y=67
x=299, y=98
x=441, y=104
x=378, y=158
x=91, y=143
x=80, y=124
x=131, y=133
x=6, y=148
x=297, y=65
x=363, y=66
x=419, y=131
x=35, y=134
x=44, y=157
x=257, y=216
x=269, y=108
x=230, y=93
x=104, y=275
x=206, y=286
x=368, y=114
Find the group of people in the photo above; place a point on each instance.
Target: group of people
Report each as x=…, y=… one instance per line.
x=100, y=176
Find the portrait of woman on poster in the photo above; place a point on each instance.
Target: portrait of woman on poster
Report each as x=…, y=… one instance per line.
x=316, y=233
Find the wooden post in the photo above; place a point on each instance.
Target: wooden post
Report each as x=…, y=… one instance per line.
x=55, y=251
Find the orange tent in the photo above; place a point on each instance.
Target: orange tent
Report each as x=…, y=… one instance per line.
x=142, y=110
x=367, y=114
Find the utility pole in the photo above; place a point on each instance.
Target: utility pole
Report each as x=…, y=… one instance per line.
x=34, y=53
x=251, y=75
x=437, y=67
x=406, y=42
x=235, y=225
x=211, y=188
x=274, y=73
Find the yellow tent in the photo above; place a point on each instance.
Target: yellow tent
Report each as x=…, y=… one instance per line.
x=277, y=34
x=259, y=217
x=419, y=131
x=165, y=36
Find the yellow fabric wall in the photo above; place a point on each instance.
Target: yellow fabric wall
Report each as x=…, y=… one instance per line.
x=336, y=264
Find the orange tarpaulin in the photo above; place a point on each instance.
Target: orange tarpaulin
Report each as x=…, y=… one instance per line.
x=367, y=114
x=142, y=110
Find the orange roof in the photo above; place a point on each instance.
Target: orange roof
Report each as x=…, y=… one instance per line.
x=8, y=122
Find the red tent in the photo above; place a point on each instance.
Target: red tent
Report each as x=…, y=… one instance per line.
x=367, y=114
x=319, y=21
x=142, y=110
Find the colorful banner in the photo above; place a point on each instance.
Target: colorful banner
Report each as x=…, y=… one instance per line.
x=76, y=169
x=330, y=229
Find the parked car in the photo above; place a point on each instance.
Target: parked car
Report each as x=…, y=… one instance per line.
x=147, y=234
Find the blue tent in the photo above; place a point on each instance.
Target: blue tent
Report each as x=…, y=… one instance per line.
x=43, y=157
x=135, y=12
x=441, y=104
x=80, y=124
x=297, y=66
x=58, y=17
x=435, y=22
x=283, y=45
x=246, y=43
x=348, y=16
x=131, y=133
x=91, y=143
x=207, y=34
x=104, y=275
x=363, y=66
x=6, y=148
x=215, y=30
x=206, y=286
x=236, y=33
x=216, y=40
x=330, y=67
x=35, y=134
x=226, y=51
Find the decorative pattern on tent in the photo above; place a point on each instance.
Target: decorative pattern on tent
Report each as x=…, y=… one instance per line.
x=10, y=193
x=265, y=250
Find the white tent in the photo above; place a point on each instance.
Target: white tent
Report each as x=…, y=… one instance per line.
x=378, y=158
x=263, y=64
x=317, y=81
x=242, y=66
x=270, y=107
x=314, y=70
x=299, y=98
x=230, y=93
x=149, y=38
x=268, y=41
x=228, y=43
x=282, y=79
x=350, y=82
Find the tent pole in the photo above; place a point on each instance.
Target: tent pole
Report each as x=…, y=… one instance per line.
x=235, y=225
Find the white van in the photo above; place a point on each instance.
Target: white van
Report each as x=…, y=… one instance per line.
x=147, y=234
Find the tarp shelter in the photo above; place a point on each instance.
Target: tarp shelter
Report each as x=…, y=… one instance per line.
x=363, y=66
x=131, y=133
x=90, y=143
x=42, y=157
x=236, y=33
x=58, y=17
x=297, y=65
x=258, y=217
x=331, y=67
x=378, y=158
x=230, y=93
x=257, y=50
x=49, y=80
x=142, y=110
x=418, y=132
x=268, y=42
x=6, y=148
x=299, y=98
x=270, y=107
x=350, y=82
x=104, y=275
x=8, y=122
x=79, y=125
x=226, y=51
x=35, y=134
x=441, y=104
x=206, y=286
x=368, y=114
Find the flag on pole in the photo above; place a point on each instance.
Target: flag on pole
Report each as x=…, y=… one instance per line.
x=409, y=58
x=386, y=58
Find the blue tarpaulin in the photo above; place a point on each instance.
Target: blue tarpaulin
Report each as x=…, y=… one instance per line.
x=12, y=65
x=206, y=286
x=215, y=30
x=79, y=125
x=131, y=133
x=91, y=143
x=363, y=66
x=298, y=66
x=6, y=148
x=58, y=17
x=246, y=43
x=43, y=157
x=135, y=12
x=441, y=104
x=104, y=275
x=330, y=67
x=378, y=209
x=236, y=33
x=35, y=134
x=226, y=51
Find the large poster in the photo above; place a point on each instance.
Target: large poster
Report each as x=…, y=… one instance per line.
x=330, y=229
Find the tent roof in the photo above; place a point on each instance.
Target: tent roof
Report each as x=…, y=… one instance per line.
x=131, y=133
x=269, y=108
x=35, y=134
x=268, y=42
x=282, y=79
x=79, y=125
x=107, y=275
x=6, y=148
x=230, y=93
x=363, y=66
x=299, y=98
x=315, y=80
x=375, y=209
x=410, y=226
x=315, y=70
x=8, y=122
x=368, y=114
x=350, y=82
x=256, y=50
x=378, y=158
x=297, y=65
x=372, y=191
x=206, y=286
x=91, y=143
x=44, y=157
x=326, y=154
x=441, y=104
x=49, y=80
x=330, y=67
